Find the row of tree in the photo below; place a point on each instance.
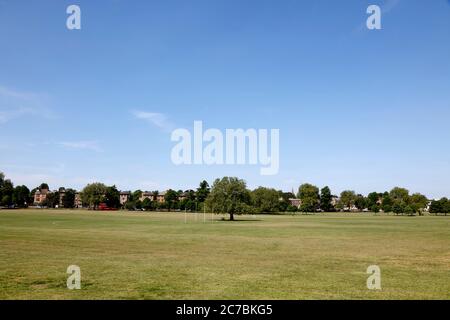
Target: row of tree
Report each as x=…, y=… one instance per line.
x=9, y=195
x=96, y=193
x=398, y=200
x=230, y=195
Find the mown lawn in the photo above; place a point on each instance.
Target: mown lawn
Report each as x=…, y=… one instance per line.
x=125, y=255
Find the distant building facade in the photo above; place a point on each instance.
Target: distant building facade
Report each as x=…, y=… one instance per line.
x=125, y=197
x=40, y=196
x=295, y=202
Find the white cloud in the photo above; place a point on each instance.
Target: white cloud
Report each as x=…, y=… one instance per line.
x=81, y=145
x=157, y=119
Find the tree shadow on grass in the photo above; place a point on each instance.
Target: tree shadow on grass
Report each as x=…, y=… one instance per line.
x=236, y=220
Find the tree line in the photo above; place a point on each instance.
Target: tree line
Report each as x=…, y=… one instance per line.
x=230, y=195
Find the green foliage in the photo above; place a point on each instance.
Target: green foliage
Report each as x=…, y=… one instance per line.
x=189, y=202
x=361, y=202
x=307, y=207
x=6, y=200
x=398, y=208
x=2, y=180
x=44, y=186
x=325, y=199
x=21, y=196
x=68, y=199
x=399, y=195
x=284, y=202
x=6, y=192
x=112, y=197
x=418, y=202
x=409, y=210
x=130, y=205
x=203, y=191
x=229, y=195
x=440, y=206
x=93, y=194
x=266, y=200
x=136, y=195
x=387, y=202
x=372, y=199
x=138, y=204
x=348, y=199
x=309, y=196
x=51, y=200
x=171, y=199
x=147, y=204
x=375, y=208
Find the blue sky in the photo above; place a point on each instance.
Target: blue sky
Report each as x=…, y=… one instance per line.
x=357, y=109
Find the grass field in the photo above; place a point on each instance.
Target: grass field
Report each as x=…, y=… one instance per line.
x=126, y=255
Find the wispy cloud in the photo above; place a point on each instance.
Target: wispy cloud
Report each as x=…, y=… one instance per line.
x=15, y=104
x=157, y=119
x=81, y=145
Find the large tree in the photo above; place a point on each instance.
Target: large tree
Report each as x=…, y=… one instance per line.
x=418, y=202
x=7, y=191
x=93, y=194
x=112, y=197
x=229, y=195
x=399, y=195
x=361, y=202
x=189, y=202
x=266, y=200
x=68, y=199
x=203, y=191
x=309, y=197
x=347, y=200
x=21, y=196
x=171, y=199
x=387, y=203
x=373, y=198
x=325, y=199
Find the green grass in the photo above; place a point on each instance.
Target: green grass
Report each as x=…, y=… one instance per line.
x=126, y=255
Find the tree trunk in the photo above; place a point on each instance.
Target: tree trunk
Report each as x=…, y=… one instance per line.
x=231, y=217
